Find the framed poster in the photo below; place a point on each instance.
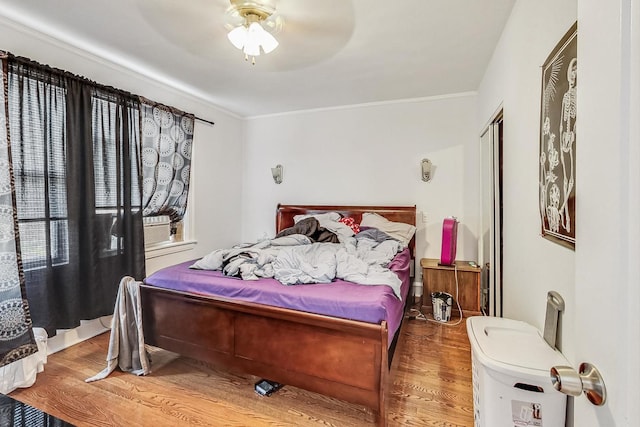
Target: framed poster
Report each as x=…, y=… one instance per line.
x=557, y=157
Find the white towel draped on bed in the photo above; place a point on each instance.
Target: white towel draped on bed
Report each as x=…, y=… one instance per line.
x=126, y=344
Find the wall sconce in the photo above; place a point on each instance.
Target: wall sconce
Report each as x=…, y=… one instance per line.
x=426, y=170
x=277, y=174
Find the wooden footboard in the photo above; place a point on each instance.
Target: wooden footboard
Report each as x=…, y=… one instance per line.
x=336, y=357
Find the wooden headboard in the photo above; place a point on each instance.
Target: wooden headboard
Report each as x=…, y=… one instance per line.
x=406, y=214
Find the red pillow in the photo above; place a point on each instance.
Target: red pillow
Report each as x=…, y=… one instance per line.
x=351, y=223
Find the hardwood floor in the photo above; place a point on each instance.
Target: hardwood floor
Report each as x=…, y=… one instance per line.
x=431, y=386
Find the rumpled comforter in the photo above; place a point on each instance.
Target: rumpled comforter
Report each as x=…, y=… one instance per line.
x=295, y=259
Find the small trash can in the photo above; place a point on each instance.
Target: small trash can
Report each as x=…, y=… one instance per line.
x=511, y=382
x=441, y=305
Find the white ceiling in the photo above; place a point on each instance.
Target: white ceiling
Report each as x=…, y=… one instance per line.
x=331, y=53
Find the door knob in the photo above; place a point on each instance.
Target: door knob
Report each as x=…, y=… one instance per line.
x=588, y=380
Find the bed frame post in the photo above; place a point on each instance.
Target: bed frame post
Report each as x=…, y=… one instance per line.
x=384, y=375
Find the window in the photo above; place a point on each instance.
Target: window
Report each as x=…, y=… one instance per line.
x=38, y=133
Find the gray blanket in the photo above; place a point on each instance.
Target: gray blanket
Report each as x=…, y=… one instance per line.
x=126, y=344
x=294, y=259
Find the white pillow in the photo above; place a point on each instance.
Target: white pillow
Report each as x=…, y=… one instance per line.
x=329, y=221
x=398, y=230
x=324, y=217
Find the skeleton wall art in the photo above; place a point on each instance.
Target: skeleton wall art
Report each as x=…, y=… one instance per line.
x=558, y=141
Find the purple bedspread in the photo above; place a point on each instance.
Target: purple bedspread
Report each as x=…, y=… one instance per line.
x=367, y=303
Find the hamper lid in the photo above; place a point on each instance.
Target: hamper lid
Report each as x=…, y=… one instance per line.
x=512, y=345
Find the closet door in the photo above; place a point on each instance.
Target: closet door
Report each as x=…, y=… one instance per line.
x=490, y=242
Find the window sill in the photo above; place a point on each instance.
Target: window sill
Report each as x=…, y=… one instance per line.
x=167, y=248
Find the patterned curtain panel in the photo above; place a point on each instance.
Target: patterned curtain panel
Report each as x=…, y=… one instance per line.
x=167, y=135
x=16, y=335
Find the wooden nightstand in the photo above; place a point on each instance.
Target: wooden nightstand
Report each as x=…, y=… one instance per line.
x=440, y=278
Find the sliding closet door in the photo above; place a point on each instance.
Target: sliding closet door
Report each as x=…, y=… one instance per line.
x=490, y=242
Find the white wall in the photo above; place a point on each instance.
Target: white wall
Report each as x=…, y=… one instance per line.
x=532, y=265
x=369, y=155
x=215, y=200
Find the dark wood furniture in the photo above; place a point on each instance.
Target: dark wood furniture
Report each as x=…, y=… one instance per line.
x=439, y=278
x=340, y=358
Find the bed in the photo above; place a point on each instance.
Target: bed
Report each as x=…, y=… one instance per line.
x=336, y=356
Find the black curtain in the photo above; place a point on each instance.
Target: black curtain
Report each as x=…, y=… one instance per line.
x=75, y=148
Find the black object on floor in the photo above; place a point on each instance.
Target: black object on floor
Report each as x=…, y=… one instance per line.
x=266, y=387
x=18, y=414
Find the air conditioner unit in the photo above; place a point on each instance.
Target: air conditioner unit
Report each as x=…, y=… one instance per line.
x=156, y=229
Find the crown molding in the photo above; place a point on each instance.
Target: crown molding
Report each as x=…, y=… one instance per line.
x=368, y=104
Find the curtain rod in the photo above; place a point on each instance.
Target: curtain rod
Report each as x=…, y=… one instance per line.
x=174, y=109
x=5, y=54
x=204, y=120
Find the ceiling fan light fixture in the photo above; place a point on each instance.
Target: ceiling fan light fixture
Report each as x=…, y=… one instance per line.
x=238, y=36
x=252, y=43
x=262, y=37
x=251, y=37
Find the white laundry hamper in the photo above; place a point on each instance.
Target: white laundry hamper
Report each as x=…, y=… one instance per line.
x=511, y=381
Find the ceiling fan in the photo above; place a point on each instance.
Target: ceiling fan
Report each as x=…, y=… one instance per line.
x=252, y=25
x=307, y=31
